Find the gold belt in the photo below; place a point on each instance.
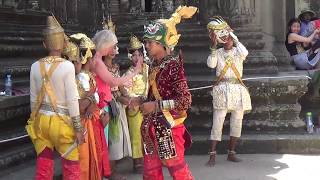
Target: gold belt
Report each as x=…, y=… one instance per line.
x=48, y=107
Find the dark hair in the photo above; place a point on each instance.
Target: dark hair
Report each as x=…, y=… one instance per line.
x=131, y=51
x=292, y=21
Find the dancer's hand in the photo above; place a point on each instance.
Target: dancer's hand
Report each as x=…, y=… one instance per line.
x=89, y=112
x=148, y=107
x=104, y=119
x=124, y=100
x=136, y=101
x=80, y=137
x=213, y=38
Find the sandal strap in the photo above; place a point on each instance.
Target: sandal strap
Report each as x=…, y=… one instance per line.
x=212, y=153
x=231, y=152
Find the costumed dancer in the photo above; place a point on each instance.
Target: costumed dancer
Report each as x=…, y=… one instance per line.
x=229, y=94
x=94, y=160
x=138, y=93
x=55, y=122
x=106, y=45
x=163, y=132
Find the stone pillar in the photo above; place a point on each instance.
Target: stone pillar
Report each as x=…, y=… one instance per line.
x=315, y=6
x=124, y=5
x=168, y=5
x=135, y=6
x=203, y=11
x=72, y=13
x=301, y=5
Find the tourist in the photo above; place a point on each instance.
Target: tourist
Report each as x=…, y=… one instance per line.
x=137, y=93
x=106, y=45
x=94, y=160
x=118, y=138
x=229, y=94
x=163, y=132
x=55, y=122
x=304, y=54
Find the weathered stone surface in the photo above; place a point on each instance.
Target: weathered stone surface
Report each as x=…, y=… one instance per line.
x=14, y=108
x=274, y=101
x=262, y=143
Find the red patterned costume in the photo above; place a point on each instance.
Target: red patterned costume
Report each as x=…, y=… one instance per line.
x=163, y=133
x=165, y=146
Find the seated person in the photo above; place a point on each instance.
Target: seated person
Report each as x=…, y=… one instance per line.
x=304, y=54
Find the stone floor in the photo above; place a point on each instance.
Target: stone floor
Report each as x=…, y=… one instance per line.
x=253, y=167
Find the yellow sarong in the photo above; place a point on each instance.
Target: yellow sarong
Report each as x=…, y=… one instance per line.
x=135, y=119
x=52, y=132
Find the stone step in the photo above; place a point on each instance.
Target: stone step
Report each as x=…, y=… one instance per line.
x=17, y=65
x=272, y=143
x=16, y=154
x=15, y=108
x=17, y=50
x=21, y=33
x=21, y=40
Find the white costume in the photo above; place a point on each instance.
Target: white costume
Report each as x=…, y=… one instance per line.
x=229, y=95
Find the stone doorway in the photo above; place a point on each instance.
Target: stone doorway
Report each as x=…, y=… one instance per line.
x=147, y=5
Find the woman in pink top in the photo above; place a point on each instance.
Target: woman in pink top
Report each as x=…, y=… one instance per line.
x=106, y=45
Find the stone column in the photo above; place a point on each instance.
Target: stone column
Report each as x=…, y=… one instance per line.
x=168, y=5
x=124, y=5
x=135, y=6
x=203, y=11
x=231, y=8
x=72, y=13
x=315, y=6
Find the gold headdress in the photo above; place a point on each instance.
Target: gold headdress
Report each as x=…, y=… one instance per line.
x=164, y=30
x=72, y=51
x=85, y=43
x=53, y=34
x=134, y=43
x=108, y=24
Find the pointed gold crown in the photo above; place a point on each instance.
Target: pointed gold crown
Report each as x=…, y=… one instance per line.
x=134, y=43
x=53, y=26
x=108, y=24
x=53, y=34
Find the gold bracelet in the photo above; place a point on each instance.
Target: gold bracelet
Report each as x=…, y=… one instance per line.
x=76, y=122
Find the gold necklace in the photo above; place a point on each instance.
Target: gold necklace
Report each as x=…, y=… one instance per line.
x=52, y=59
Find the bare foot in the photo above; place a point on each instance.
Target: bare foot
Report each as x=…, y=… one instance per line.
x=233, y=158
x=212, y=161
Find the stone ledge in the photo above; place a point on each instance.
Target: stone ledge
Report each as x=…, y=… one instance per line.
x=262, y=144
x=14, y=107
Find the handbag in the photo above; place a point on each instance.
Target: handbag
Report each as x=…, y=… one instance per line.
x=114, y=109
